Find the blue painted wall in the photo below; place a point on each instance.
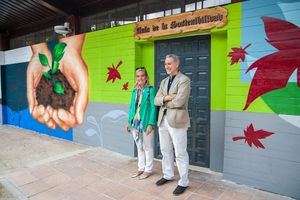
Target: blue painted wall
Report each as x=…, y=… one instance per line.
x=14, y=105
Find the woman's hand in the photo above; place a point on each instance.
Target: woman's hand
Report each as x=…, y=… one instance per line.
x=127, y=128
x=149, y=130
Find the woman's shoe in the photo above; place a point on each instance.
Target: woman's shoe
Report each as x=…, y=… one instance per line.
x=136, y=174
x=144, y=175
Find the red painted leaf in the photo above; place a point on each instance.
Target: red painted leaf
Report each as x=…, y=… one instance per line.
x=248, y=132
x=261, y=134
x=237, y=54
x=274, y=70
x=248, y=138
x=281, y=34
x=113, y=72
x=238, y=138
x=125, y=86
x=253, y=137
x=258, y=144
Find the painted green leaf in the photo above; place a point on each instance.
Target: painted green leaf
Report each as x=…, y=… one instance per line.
x=43, y=60
x=47, y=75
x=55, y=66
x=285, y=100
x=58, y=51
x=58, y=88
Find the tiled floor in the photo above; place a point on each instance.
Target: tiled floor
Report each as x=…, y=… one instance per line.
x=102, y=174
x=38, y=167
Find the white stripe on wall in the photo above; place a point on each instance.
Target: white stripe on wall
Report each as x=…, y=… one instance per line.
x=1, y=57
x=17, y=55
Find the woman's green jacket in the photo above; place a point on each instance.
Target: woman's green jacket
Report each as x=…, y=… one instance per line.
x=148, y=111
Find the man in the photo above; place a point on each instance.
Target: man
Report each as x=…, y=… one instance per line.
x=173, y=122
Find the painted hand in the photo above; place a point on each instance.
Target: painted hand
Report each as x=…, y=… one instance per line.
x=33, y=76
x=75, y=70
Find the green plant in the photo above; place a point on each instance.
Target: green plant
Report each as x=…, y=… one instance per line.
x=57, y=54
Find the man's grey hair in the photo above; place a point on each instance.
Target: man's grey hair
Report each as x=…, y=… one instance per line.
x=175, y=58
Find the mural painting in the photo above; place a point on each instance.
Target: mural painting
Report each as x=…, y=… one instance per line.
x=262, y=98
x=253, y=137
x=113, y=72
x=58, y=94
x=125, y=86
x=238, y=54
x=273, y=71
x=78, y=88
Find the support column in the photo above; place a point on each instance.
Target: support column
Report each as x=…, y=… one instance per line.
x=74, y=24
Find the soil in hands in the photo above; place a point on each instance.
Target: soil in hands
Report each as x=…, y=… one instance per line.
x=45, y=94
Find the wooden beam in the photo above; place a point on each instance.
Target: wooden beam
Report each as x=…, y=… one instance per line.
x=103, y=5
x=52, y=7
x=36, y=26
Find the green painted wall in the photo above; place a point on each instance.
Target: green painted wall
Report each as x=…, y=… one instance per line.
x=106, y=47
x=145, y=57
x=236, y=91
x=102, y=49
x=218, y=70
x=221, y=39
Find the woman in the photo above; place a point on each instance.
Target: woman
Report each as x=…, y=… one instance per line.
x=141, y=121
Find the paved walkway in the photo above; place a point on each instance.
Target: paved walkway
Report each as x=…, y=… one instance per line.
x=77, y=172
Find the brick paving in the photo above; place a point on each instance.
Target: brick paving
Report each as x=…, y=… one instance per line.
x=102, y=174
x=99, y=174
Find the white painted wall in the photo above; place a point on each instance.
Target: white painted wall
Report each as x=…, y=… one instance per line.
x=2, y=61
x=17, y=55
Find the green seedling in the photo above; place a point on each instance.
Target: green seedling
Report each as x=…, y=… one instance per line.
x=57, y=54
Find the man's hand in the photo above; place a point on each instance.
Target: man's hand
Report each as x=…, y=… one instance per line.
x=169, y=97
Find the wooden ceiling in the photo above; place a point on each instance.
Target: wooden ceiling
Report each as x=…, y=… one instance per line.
x=19, y=17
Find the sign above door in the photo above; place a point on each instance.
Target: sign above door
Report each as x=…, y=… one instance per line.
x=203, y=19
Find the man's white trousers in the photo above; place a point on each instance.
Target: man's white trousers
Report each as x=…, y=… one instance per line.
x=177, y=137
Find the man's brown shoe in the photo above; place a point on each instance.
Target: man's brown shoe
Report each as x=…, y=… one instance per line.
x=136, y=174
